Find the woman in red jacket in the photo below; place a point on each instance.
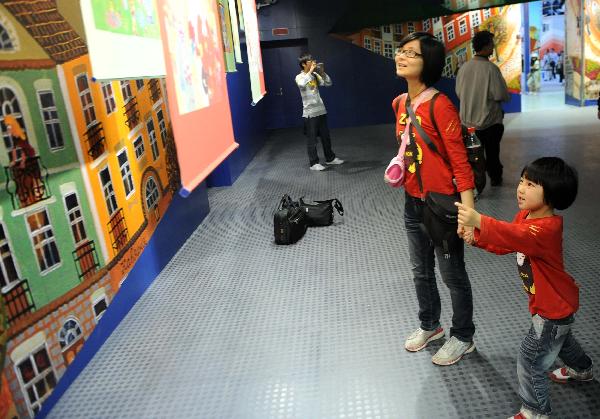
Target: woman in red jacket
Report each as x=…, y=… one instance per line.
x=536, y=236
x=419, y=60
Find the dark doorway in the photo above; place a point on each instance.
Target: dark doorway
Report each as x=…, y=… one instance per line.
x=283, y=104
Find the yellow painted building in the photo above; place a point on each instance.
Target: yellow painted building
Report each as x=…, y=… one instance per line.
x=123, y=131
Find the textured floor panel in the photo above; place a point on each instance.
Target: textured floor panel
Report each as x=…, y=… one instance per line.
x=237, y=327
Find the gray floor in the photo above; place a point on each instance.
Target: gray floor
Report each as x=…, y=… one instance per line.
x=237, y=327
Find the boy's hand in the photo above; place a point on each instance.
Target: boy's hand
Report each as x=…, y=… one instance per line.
x=468, y=217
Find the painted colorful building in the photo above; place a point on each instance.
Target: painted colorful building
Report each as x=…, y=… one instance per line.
x=88, y=167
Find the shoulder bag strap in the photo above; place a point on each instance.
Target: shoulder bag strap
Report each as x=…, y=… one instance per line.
x=422, y=133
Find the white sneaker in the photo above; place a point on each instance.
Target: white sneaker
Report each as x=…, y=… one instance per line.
x=419, y=339
x=317, y=167
x=452, y=351
x=335, y=161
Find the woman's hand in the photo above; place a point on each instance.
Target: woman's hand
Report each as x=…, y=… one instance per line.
x=468, y=217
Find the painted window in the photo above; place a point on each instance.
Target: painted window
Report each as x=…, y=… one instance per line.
x=42, y=237
x=126, y=90
x=448, y=66
x=486, y=13
x=85, y=97
x=151, y=193
x=9, y=105
x=386, y=29
x=125, y=169
x=100, y=307
x=51, y=121
x=37, y=378
x=139, y=83
x=162, y=127
x=462, y=26
x=411, y=27
x=475, y=19
x=8, y=270
x=388, y=49
x=460, y=4
x=109, y=97
x=377, y=46
x=138, y=145
x=70, y=333
x=367, y=43
x=398, y=29
x=461, y=55
x=440, y=36
x=426, y=25
x=450, y=31
x=436, y=20
x=108, y=190
x=5, y=41
x=75, y=218
x=153, y=141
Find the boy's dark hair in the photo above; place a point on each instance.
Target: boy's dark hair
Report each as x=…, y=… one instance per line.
x=559, y=180
x=303, y=59
x=433, y=54
x=482, y=39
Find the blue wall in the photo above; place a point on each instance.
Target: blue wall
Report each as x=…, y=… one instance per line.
x=248, y=126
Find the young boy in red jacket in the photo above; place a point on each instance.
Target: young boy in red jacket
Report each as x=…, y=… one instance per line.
x=535, y=234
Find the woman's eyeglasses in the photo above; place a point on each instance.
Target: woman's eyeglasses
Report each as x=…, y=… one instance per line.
x=409, y=53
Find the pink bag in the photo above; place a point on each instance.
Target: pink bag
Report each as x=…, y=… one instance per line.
x=395, y=170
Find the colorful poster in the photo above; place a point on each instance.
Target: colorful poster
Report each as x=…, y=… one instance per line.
x=573, y=82
x=226, y=35
x=592, y=49
x=240, y=15
x=257, y=78
x=123, y=39
x=235, y=31
x=196, y=87
x=128, y=17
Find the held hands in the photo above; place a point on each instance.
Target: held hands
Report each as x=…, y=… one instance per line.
x=468, y=218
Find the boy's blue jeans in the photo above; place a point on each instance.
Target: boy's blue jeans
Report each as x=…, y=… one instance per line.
x=453, y=271
x=546, y=340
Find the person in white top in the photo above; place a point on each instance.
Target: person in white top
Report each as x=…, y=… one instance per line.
x=314, y=113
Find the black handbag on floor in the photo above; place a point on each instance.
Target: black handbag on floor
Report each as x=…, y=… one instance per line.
x=289, y=221
x=321, y=213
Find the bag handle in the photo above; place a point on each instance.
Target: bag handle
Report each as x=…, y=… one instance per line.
x=335, y=203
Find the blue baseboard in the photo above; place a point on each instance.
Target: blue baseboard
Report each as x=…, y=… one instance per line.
x=570, y=100
x=179, y=221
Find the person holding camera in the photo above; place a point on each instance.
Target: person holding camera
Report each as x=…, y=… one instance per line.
x=314, y=113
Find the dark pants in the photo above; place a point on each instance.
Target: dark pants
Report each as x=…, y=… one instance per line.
x=453, y=271
x=546, y=340
x=313, y=127
x=490, y=138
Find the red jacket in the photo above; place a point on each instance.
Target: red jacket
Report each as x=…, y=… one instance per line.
x=552, y=292
x=435, y=173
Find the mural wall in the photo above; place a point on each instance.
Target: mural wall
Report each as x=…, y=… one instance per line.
x=591, y=20
x=456, y=32
x=87, y=170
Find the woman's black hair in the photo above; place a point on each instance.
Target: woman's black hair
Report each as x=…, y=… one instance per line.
x=433, y=54
x=559, y=180
x=303, y=59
